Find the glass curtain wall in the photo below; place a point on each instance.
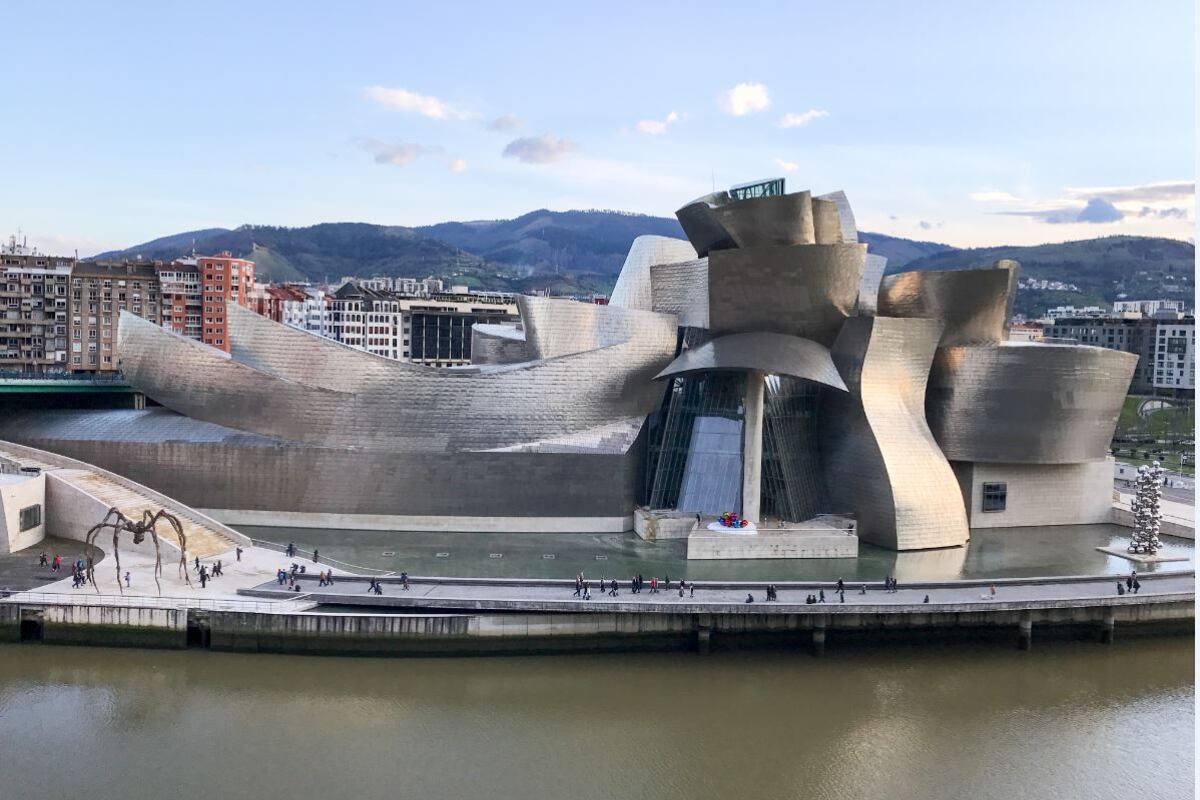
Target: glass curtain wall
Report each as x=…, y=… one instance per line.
x=792, y=485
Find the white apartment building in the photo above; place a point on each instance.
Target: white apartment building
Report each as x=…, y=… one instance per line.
x=1175, y=355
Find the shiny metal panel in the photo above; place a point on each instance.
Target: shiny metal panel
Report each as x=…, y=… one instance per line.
x=868, y=285
x=881, y=460
x=555, y=327
x=782, y=220
x=802, y=290
x=210, y=466
x=1027, y=403
x=497, y=344
x=827, y=223
x=291, y=384
x=974, y=304
x=632, y=289
x=769, y=353
x=845, y=214
x=682, y=289
x=701, y=225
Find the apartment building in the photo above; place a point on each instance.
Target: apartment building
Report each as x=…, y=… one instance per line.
x=33, y=309
x=223, y=279
x=1165, y=347
x=99, y=293
x=434, y=330
x=182, y=297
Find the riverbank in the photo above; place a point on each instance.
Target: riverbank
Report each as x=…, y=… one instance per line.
x=481, y=617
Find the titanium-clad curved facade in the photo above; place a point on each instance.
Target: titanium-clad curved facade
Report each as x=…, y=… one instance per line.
x=1026, y=403
x=974, y=304
x=762, y=366
x=881, y=458
x=333, y=397
x=493, y=343
x=768, y=353
x=632, y=289
x=801, y=290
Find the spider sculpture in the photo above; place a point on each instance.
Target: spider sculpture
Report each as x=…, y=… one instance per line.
x=119, y=522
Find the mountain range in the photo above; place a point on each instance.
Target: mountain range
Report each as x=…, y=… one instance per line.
x=574, y=252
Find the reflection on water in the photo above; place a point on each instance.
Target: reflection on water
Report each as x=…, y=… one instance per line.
x=993, y=553
x=1066, y=720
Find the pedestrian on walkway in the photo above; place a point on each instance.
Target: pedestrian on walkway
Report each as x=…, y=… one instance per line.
x=692, y=589
x=587, y=595
x=57, y=563
x=841, y=587
x=42, y=561
x=1136, y=585
x=404, y=581
x=1120, y=588
x=197, y=564
x=291, y=549
x=126, y=579
x=653, y=585
x=314, y=555
x=926, y=600
x=239, y=553
x=667, y=582
x=842, y=596
x=992, y=591
x=578, y=585
x=203, y=577
x=1129, y=583
x=822, y=598
x=749, y=598
x=681, y=588
x=863, y=590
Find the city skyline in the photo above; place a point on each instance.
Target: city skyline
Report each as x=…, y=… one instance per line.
x=395, y=117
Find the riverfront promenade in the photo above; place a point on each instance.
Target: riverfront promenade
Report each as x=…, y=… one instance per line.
x=558, y=596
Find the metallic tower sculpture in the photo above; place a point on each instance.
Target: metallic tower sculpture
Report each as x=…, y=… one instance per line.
x=1145, y=507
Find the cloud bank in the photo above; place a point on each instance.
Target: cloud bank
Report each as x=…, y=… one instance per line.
x=802, y=119
x=425, y=105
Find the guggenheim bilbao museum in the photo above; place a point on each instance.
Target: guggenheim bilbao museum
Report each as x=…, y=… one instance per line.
x=764, y=366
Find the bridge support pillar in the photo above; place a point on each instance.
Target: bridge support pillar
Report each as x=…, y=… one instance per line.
x=818, y=636
x=1108, y=626
x=703, y=634
x=1025, y=632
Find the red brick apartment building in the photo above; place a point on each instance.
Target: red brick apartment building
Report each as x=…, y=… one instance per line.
x=222, y=278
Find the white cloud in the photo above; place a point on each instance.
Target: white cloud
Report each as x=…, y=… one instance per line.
x=506, y=122
x=800, y=120
x=655, y=127
x=425, y=105
x=994, y=197
x=401, y=154
x=544, y=149
x=787, y=166
x=743, y=99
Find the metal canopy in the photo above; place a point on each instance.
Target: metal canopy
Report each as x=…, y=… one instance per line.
x=771, y=353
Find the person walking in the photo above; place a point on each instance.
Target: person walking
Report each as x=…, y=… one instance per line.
x=314, y=555
x=1129, y=583
x=1120, y=588
x=841, y=587
x=992, y=591
x=197, y=565
x=42, y=560
x=203, y=577
x=239, y=553
x=822, y=597
x=291, y=549
x=692, y=589
x=578, y=585
x=1136, y=585
x=126, y=579
x=404, y=581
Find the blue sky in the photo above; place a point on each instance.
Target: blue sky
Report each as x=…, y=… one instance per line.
x=966, y=122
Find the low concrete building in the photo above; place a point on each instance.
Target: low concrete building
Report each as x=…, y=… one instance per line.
x=22, y=518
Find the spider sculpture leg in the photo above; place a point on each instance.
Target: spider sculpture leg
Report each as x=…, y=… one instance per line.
x=178, y=528
x=119, y=524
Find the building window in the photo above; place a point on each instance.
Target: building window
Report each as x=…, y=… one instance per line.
x=995, y=496
x=31, y=517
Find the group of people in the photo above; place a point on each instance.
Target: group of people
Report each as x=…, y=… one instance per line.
x=1131, y=584
x=290, y=551
x=325, y=578
x=637, y=584
x=816, y=598
x=203, y=572
x=889, y=584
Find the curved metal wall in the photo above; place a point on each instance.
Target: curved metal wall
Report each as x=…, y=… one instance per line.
x=881, y=460
x=555, y=327
x=975, y=304
x=783, y=220
x=802, y=290
x=497, y=344
x=701, y=226
x=632, y=289
x=301, y=387
x=682, y=289
x=1027, y=403
x=768, y=353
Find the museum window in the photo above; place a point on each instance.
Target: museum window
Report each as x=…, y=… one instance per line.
x=995, y=496
x=31, y=517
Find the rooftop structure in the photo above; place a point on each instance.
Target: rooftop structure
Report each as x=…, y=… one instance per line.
x=765, y=366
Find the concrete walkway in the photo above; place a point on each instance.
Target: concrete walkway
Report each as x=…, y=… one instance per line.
x=482, y=595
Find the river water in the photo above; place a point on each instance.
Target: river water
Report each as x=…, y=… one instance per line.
x=1066, y=720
